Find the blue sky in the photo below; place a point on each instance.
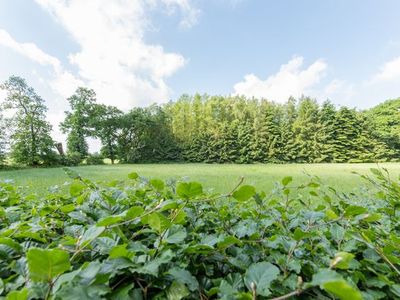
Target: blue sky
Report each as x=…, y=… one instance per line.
x=139, y=52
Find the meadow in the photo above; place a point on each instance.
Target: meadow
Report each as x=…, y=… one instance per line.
x=215, y=177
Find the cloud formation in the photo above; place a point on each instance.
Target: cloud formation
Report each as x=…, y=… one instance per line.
x=388, y=71
x=62, y=82
x=29, y=50
x=291, y=80
x=114, y=59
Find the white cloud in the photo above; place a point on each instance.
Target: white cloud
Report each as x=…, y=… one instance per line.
x=29, y=50
x=290, y=80
x=189, y=12
x=114, y=59
x=62, y=81
x=388, y=71
x=65, y=84
x=339, y=90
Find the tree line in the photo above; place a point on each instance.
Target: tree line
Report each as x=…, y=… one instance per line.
x=198, y=128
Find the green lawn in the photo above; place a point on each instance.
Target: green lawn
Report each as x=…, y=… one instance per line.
x=221, y=178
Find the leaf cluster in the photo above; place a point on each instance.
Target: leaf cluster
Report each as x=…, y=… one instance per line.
x=150, y=239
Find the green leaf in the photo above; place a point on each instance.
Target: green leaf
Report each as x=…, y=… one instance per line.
x=76, y=188
x=184, y=276
x=18, y=295
x=342, y=289
x=331, y=215
x=67, y=208
x=120, y=251
x=189, y=190
x=157, y=184
x=244, y=193
x=261, y=275
x=133, y=175
x=286, y=180
x=354, y=210
x=325, y=275
x=395, y=289
x=151, y=267
x=110, y=220
x=175, y=234
x=229, y=241
x=10, y=243
x=369, y=218
x=158, y=222
x=342, y=260
x=90, y=234
x=177, y=291
x=123, y=293
x=44, y=264
x=299, y=234
x=134, y=212
x=333, y=283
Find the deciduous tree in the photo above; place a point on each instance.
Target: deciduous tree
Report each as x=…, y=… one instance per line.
x=31, y=142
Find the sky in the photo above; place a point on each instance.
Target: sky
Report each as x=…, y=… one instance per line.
x=139, y=52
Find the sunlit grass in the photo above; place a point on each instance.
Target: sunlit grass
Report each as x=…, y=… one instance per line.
x=220, y=178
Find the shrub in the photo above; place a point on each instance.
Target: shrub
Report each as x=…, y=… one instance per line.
x=95, y=159
x=146, y=239
x=71, y=159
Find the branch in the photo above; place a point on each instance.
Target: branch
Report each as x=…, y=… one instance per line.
x=289, y=295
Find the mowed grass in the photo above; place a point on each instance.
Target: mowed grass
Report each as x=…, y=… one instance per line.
x=219, y=178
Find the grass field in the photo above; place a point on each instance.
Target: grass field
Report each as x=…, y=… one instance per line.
x=220, y=178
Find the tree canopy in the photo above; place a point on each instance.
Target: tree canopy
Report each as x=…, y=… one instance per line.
x=202, y=128
x=31, y=142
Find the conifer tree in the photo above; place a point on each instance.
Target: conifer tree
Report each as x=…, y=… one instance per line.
x=326, y=133
x=3, y=139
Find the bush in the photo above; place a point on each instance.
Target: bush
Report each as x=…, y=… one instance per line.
x=95, y=159
x=71, y=159
x=50, y=159
x=146, y=239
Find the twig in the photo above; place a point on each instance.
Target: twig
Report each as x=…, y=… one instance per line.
x=289, y=295
x=224, y=195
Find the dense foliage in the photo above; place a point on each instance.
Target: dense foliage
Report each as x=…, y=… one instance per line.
x=31, y=142
x=77, y=122
x=224, y=129
x=149, y=239
x=203, y=128
x=240, y=130
x=3, y=139
x=385, y=119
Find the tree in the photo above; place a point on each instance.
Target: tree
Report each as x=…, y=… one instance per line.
x=385, y=123
x=106, y=122
x=3, y=139
x=78, y=121
x=326, y=133
x=305, y=128
x=347, y=131
x=287, y=144
x=31, y=141
x=266, y=133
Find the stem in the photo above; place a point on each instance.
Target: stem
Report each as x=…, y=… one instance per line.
x=289, y=295
x=222, y=196
x=172, y=221
x=49, y=290
x=381, y=254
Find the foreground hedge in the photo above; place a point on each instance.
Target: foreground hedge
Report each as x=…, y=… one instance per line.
x=143, y=239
